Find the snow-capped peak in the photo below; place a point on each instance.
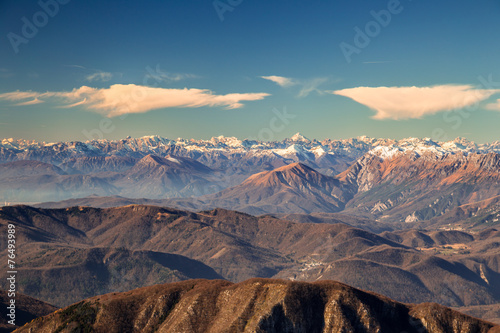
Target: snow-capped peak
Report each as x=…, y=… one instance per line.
x=299, y=137
x=228, y=141
x=298, y=147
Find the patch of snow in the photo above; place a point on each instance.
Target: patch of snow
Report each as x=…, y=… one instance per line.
x=299, y=137
x=173, y=160
x=412, y=218
x=385, y=152
x=294, y=149
x=318, y=151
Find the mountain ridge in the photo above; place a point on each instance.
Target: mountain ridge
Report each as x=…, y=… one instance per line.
x=451, y=267
x=311, y=150
x=256, y=305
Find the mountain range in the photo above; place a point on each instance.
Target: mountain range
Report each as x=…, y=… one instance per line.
x=256, y=305
x=412, y=219
x=399, y=192
x=66, y=255
x=234, y=156
x=405, y=181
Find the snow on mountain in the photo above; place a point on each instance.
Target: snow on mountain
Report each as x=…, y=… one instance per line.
x=298, y=147
x=172, y=159
x=319, y=151
x=386, y=152
x=227, y=141
x=19, y=144
x=299, y=138
x=428, y=147
x=293, y=150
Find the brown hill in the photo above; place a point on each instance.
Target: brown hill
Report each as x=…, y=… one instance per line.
x=415, y=238
x=407, y=189
x=238, y=246
x=27, y=309
x=257, y=305
x=64, y=275
x=359, y=222
x=100, y=202
x=294, y=188
x=478, y=215
x=487, y=312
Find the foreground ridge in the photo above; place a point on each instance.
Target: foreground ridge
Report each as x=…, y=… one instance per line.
x=255, y=305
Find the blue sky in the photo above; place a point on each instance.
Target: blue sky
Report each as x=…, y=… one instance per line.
x=197, y=69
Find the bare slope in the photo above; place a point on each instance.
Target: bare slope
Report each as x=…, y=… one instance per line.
x=256, y=305
x=452, y=268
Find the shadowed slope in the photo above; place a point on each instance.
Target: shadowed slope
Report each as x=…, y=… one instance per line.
x=27, y=309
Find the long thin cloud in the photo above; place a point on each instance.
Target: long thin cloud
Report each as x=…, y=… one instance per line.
x=307, y=86
x=32, y=102
x=312, y=85
x=99, y=76
x=280, y=80
x=122, y=99
x=494, y=106
x=19, y=95
x=415, y=102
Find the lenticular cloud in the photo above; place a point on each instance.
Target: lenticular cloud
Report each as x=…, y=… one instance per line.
x=122, y=99
x=415, y=102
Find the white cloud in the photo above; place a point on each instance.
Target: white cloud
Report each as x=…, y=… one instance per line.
x=5, y=73
x=376, y=62
x=312, y=85
x=160, y=76
x=99, y=76
x=167, y=77
x=121, y=99
x=74, y=66
x=75, y=104
x=19, y=95
x=415, y=102
x=494, y=106
x=32, y=102
x=175, y=77
x=307, y=86
x=280, y=80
